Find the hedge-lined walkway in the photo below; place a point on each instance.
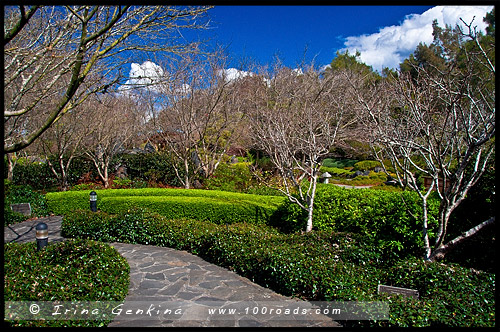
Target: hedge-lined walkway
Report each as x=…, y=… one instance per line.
x=175, y=288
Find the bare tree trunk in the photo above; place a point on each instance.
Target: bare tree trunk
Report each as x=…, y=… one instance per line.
x=61, y=176
x=310, y=204
x=442, y=250
x=186, y=176
x=78, y=44
x=297, y=117
x=425, y=219
x=11, y=164
x=106, y=178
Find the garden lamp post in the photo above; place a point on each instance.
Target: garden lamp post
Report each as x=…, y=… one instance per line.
x=325, y=176
x=93, y=201
x=42, y=235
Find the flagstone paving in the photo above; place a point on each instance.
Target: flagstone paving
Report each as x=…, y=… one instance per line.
x=169, y=287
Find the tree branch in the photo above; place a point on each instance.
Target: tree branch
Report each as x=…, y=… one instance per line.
x=23, y=20
x=440, y=252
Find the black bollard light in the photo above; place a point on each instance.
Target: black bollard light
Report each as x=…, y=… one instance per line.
x=42, y=236
x=93, y=201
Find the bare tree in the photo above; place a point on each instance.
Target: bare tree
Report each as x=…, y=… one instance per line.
x=200, y=116
x=80, y=46
x=440, y=124
x=116, y=124
x=297, y=119
x=63, y=142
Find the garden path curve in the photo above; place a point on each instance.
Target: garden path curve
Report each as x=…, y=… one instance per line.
x=175, y=288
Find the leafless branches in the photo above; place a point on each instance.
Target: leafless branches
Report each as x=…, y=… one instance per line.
x=51, y=52
x=200, y=114
x=440, y=124
x=296, y=121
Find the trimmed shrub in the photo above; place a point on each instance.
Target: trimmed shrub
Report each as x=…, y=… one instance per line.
x=339, y=163
x=372, y=178
x=73, y=270
x=204, y=205
x=335, y=171
x=392, y=218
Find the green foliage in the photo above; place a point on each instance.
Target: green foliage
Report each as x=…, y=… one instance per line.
x=85, y=186
x=366, y=165
x=344, y=61
x=79, y=167
x=231, y=177
x=121, y=183
x=320, y=265
x=239, y=178
x=203, y=209
x=392, y=218
x=205, y=205
x=450, y=295
x=137, y=225
x=335, y=171
x=372, y=178
x=448, y=52
x=34, y=174
x=339, y=163
x=73, y=270
x=15, y=194
x=10, y=217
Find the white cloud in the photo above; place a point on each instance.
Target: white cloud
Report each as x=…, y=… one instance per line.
x=232, y=74
x=392, y=44
x=325, y=67
x=143, y=75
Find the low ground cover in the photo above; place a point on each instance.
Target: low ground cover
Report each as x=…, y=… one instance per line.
x=73, y=270
x=361, y=238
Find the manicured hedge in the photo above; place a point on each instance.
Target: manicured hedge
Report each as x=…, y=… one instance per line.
x=73, y=270
x=206, y=205
x=392, y=218
x=320, y=265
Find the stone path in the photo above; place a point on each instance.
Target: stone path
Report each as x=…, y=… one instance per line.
x=175, y=288
x=348, y=186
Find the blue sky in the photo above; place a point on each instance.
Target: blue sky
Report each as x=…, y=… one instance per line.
x=384, y=35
